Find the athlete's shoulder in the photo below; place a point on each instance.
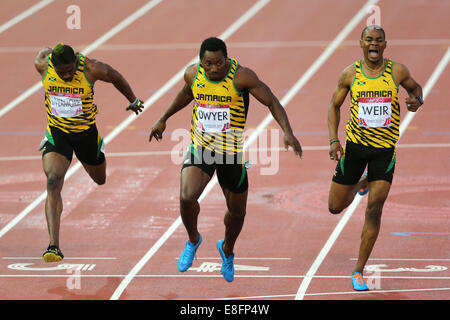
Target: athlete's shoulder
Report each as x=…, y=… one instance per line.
x=399, y=69
x=243, y=71
x=91, y=64
x=350, y=69
x=245, y=78
x=347, y=76
x=190, y=72
x=96, y=68
x=40, y=62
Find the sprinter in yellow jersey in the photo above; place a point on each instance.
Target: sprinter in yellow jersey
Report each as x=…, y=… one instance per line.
x=372, y=132
x=220, y=88
x=68, y=80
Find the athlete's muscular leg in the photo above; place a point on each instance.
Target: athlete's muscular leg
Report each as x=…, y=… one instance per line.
x=96, y=172
x=193, y=182
x=378, y=193
x=341, y=196
x=55, y=167
x=234, y=218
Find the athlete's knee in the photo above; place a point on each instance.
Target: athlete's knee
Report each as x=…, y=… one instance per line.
x=376, y=201
x=54, y=181
x=338, y=198
x=236, y=205
x=334, y=208
x=97, y=172
x=234, y=217
x=187, y=198
x=237, y=212
x=374, y=209
x=100, y=180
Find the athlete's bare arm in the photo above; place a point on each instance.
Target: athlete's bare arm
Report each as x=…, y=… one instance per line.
x=334, y=110
x=97, y=70
x=403, y=77
x=182, y=99
x=40, y=62
x=246, y=79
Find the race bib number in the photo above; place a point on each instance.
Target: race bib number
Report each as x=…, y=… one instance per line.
x=213, y=118
x=65, y=105
x=374, y=112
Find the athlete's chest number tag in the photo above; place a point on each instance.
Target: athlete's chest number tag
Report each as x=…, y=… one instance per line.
x=66, y=105
x=374, y=112
x=213, y=118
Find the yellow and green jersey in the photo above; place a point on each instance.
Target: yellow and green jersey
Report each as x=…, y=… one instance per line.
x=219, y=113
x=70, y=105
x=374, y=109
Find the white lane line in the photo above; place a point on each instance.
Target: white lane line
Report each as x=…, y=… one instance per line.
x=204, y=275
x=290, y=94
x=335, y=293
x=315, y=66
x=348, y=213
x=427, y=89
x=378, y=291
x=177, y=152
x=22, y=214
x=133, y=272
x=25, y=14
x=253, y=45
x=65, y=258
x=108, y=35
x=402, y=259
x=105, y=37
x=243, y=258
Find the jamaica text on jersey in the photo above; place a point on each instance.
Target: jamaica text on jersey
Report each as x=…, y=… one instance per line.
x=219, y=113
x=70, y=105
x=374, y=110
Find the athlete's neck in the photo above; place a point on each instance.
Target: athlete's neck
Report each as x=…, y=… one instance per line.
x=374, y=68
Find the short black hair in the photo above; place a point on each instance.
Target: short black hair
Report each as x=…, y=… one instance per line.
x=213, y=44
x=376, y=27
x=63, y=54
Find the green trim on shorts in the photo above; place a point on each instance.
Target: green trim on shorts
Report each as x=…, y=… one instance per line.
x=391, y=164
x=99, y=146
x=194, y=151
x=341, y=163
x=243, y=173
x=49, y=136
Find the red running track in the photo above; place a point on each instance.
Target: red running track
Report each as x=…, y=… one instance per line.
x=108, y=230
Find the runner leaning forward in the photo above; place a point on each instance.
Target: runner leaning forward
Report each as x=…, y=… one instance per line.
x=68, y=79
x=220, y=88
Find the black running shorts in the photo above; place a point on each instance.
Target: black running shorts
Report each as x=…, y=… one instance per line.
x=231, y=170
x=380, y=163
x=87, y=145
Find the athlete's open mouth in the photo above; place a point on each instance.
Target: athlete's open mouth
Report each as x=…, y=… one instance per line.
x=373, y=53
